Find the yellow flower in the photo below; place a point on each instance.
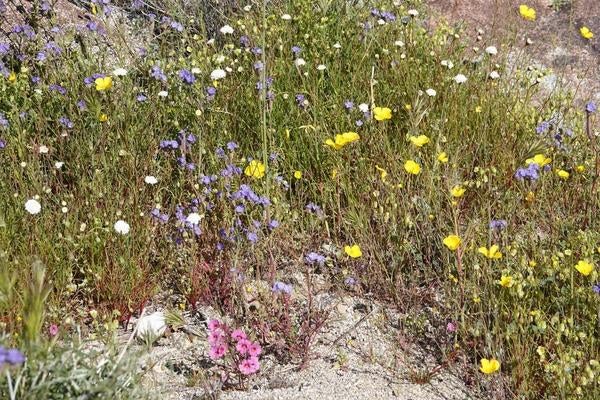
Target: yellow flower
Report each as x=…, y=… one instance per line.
x=539, y=159
x=420, y=140
x=382, y=113
x=298, y=174
x=580, y=168
x=12, y=77
x=478, y=109
x=255, y=169
x=334, y=173
x=442, y=157
x=408, y=107
x=506, y=281
x=382, y=172
x=452, y=242
x=584, y=267
x=103, y=83
x=562, y=174
x=530, y=197
x=489, y=366
x=492, y=252
x=343, y=139
x=103, y=118
x=586, y=33
x=457, y=191
x=527, y=12
x=353, y=251
x=412, y=167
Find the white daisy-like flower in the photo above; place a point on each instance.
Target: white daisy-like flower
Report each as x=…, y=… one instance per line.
x=210, y=42
x=120, y=72
x=32, y=206
x=413, y=13
x=59, y=164
x=363, y=107
x=218, y=74
x=491, y=50
x=226, y=30
x=228, y=69
x=196, y=70
x=494, y=75
x=431, y=92
x=121, y=227
x=43, y=149
x=220, y=59
x=299, y=62
x=247, y=8
x=153, y=325
x=399, y=43
x=448, y=64
x=321, y=67
x=151, y=180
x=381, y=21
x=163, y=93
x=460, y=79
x=286, y=17
x=337, y=45
x=193, y=218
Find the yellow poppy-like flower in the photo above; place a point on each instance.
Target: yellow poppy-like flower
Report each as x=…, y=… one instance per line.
x=580, y=168
x=506, y=281
x=489, y=366
x=353, y=251
x=412, y=167
x=562, y=174
x=452, y=242
x=103, y=118
x=298, y=174
x=408, y=107
x=530, y=197
x=492, y=253
x=442, y=157
x=334, y=173
x=343, y=139
x=478, y=109
x=382, y=172
x=527, y=12
x=103, y=84
x=12, y=77
x=419, y=141
x=586, y=33
x=255, y=169
x=457, y=191
x=382, y=113
x=584, y=267
x=539, y=159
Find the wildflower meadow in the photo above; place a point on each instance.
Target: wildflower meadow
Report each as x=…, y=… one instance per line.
x=176, y=156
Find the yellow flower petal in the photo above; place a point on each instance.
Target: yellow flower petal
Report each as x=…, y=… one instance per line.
x=382, y=113
x=489, y=366
x=452, y=242
x=103, y=83
x=353, y=251
x=584, y=267
x=527, y=12
x=412, y=167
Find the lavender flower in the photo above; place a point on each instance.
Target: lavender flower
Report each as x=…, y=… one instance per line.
x=66, y=122
x=296, y=50
x=314, y=258
x=2, y=144
x=58, y=88
x=187, y=77
x=596, y=288
x=280, y=287
x=300, y=100
x=3, y=121
x=158, y=74
x=11, y=357
x=231, y=146
x=348, y=105
x=210, y=93
x=245, y=41
x=591, y=107
x=498, y=224
x=531, y=173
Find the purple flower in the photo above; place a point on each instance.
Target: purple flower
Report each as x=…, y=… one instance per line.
x=35, y=80
x=313, y=208
x=350, y=281
x=273, y=224
x=66, y=122
x=300, y=99
x=531, y=173
x=296, y=50
x=3, y=121
x=169, y=144
x=231, y=146
x=280, y=287
x=141, y=98
x=239, y=209
x=542, y=127
x=220, y=153
x=2, y=144
x=81, y=105
x=258, y=66
x=187, y=77
x=4, y=48
x=256, y=51
x=177, y=26
x=348, y=105
x=596, y=288
x=252, y=237
x=58, y=88
x=245, y=41
x=359, y=123
x=388, y=16
x=314, y=258
x=158, y=74
x=210, y=93
x=11, y=357
x=498, y=224
x=590, y=107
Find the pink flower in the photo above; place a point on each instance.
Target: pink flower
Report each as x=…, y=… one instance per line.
x=451, y=327
x=213, y=325
x=217, y=351
x=215, y=338
x=243, y=346
x=53, y=330
x=238, y=335
x=249, y=366
x=254, y=349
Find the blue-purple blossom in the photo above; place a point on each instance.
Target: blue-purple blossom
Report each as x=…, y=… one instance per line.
x=66, y=122
x=300, y=100
x=296, y=50
x=11, y=357
x=158, y=74
x=81, y=105
x=314, y=258
x=530, y=173
x=57, y=88
x=252, y=237
x=256, y=51
x=141, y=98
x=169, y=144
x=591, y=107
x=596, y=288
x=273, y=224
x=3, y=121
x=543, y=127
x=231, y=146
x=4, y=48
x=280, y=287
x=187, y=77
x=245, y=41
x=348, y=105
x=498, y=224
x=210, y=93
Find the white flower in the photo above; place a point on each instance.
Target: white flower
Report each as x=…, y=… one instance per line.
x=460, y=78
x=226, y=30
x=193, y=218
x=59, y=164
x=448, y=64
x=220, y=59
x=363, y=107
x=153, y=325
x=381, y=21
x=120, y=72
x=210, y=42
x=163, y=93
x=399, y=43
x=299, y=62
x=431, y=92
x=286, y=17
x=43, y=149
x=64, y=210
x=218, y=74
x=413, y=13
x=247, y=8
x=337, y=45
x=494, y=75
x=196, y=70
x=321, y=67
x=33, y=206
x=151, y=180
x=491, y=50
x=121, y=227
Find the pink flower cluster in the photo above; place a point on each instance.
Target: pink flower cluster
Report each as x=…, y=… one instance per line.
x=221, y=340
